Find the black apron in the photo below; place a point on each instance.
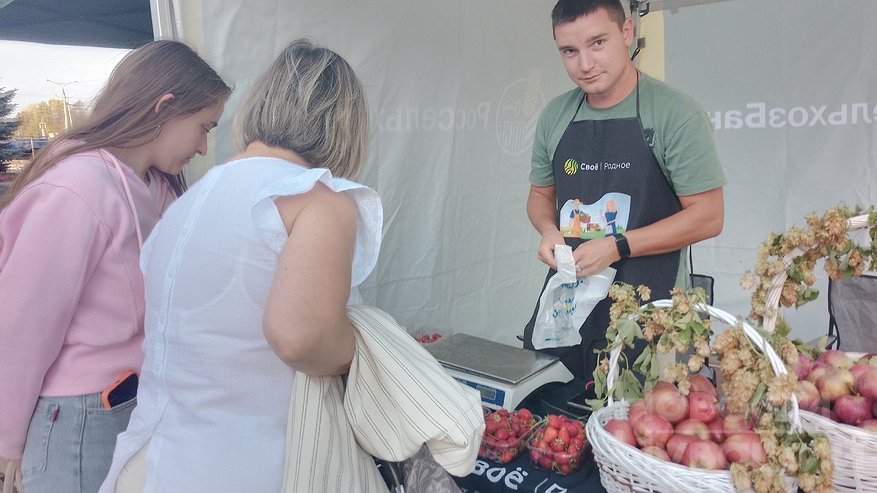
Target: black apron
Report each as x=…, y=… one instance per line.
x=607, y=180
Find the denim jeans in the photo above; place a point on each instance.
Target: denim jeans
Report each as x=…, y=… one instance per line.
x=70, y=443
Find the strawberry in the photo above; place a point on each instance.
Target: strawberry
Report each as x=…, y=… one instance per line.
x=507, y=456
x=553, y=421
x=571, y=428
x=564, y=469
x=550, y=434
x=546, y=463
x=563, y=434
x=558, y=445
x=525, y=414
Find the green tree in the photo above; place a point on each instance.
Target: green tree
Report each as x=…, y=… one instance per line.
x=8, y=150
x=46, y=119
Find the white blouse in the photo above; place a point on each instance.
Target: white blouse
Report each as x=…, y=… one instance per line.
x=213, y=396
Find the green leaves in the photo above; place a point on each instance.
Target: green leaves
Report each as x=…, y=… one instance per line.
x=672, y=328
x=628, y=387
x=628, y=331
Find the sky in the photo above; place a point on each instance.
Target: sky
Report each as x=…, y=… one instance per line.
x=81, y=69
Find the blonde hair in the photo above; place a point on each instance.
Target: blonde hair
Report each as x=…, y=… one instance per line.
x=309, y=101
x=124, y=113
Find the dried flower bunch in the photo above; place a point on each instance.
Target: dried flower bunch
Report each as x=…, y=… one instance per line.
x=797, y=251
x=750, y=386
x=676, y=329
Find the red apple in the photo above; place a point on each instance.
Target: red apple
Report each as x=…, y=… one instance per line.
x=665, y=399
x=621, y=430
x=701, y=383
x=808, y=396
x=834, y=384
x=744, y=448
x=693, y=427
x=869, y=425
x=826, y=413
x=702, y=406
x=652, y=429
x=866, y=384
x=735, y=423
x=676, y=446
x=660, y=384
x=802, y=368
x=717, y=431
x=853, y=409
x=636, y=410
x=704, y=454
x=858, y=369
x=836, y=358
x=656, y=451
x=818, y=369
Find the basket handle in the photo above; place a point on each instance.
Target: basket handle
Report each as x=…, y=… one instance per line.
x=775, y=361
x=776, y=285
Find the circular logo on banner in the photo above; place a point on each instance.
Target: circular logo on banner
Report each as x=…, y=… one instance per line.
x=570, y=166
x=518, y=111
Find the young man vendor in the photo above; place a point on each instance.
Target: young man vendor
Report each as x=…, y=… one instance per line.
x=634, y=156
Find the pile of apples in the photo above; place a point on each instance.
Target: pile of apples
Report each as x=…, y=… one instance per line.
x=504, y=434
x=840, y=388
x=558, y=444
x=689, y=430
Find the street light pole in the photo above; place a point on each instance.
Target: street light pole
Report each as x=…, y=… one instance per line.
x=68, y=117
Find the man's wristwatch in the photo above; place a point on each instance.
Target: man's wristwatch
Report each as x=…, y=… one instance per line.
x=622, y=246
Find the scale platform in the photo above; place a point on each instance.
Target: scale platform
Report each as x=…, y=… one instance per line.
x=504, y=375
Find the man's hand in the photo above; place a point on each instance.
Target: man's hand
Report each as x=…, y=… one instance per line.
x=546, y=247
x=593, y=256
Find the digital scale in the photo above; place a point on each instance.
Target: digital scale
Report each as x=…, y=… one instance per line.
x=504, y=375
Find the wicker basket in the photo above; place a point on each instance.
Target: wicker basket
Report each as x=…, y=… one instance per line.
x=853, y=450
x=624, y=468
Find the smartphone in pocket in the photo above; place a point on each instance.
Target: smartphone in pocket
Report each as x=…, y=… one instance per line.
x=121, y=391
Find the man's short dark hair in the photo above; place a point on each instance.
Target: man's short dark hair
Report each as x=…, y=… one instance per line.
x=570, y=10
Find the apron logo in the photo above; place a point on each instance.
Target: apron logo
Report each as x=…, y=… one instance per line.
x=570, y=166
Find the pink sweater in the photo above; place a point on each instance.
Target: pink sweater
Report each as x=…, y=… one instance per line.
x=71, y=290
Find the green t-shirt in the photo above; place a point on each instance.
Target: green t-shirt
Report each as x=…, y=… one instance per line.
x=681, y=138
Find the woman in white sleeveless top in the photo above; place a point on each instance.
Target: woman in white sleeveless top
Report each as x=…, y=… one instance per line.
x=247, y=279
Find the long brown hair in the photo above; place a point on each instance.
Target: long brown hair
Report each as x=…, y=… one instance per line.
x=124, y=113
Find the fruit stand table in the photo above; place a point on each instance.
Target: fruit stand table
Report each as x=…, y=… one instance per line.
x=522, y=476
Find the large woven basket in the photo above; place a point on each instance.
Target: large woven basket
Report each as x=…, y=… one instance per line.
x=853, y=450
x=624, y=468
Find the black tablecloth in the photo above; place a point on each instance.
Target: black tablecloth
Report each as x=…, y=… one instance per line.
x=522, y=475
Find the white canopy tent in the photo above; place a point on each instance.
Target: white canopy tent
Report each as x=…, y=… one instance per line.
x=455, y=88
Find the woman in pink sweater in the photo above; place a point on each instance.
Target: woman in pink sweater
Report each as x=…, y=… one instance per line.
x=71, y=228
